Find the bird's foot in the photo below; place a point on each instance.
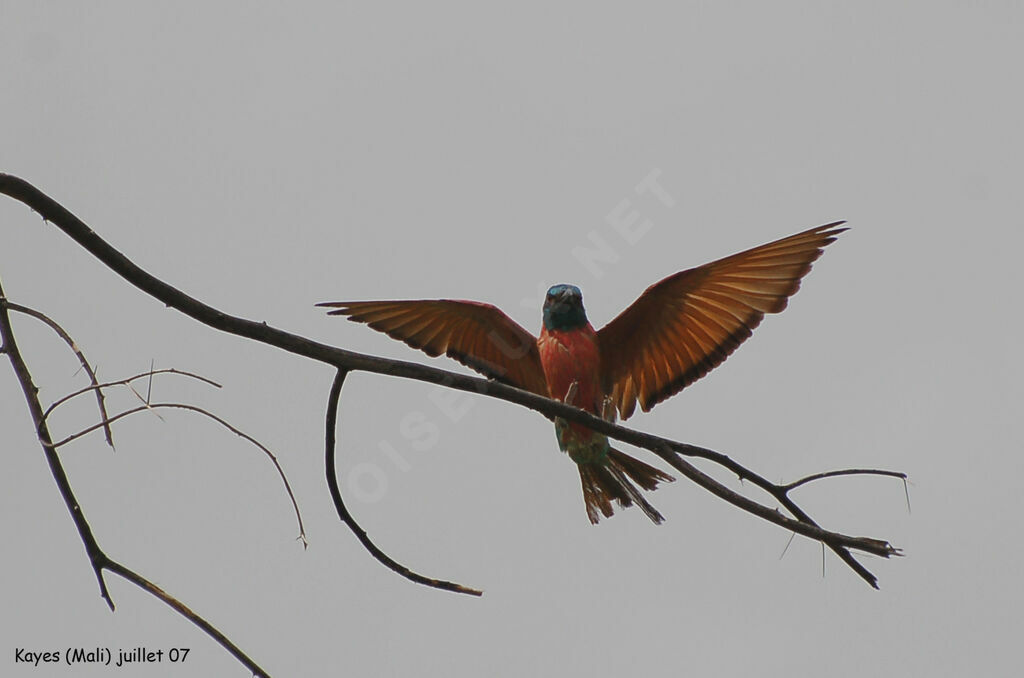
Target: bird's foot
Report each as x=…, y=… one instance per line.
x=570, y=395
x=608, y=409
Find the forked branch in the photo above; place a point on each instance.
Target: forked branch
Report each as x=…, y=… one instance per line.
x=52, y=324
x=97, y=558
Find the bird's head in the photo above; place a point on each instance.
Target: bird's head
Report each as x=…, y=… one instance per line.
x=563, y=308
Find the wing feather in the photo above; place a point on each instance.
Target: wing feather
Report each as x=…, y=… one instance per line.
x=478, y=335
x=684, y=326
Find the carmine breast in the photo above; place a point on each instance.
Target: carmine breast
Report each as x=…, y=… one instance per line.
x=572, y=355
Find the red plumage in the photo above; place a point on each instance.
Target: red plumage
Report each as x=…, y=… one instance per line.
x=573, y=357
x=572, y=366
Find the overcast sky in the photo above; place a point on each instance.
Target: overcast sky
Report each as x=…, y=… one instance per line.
x=264, y=159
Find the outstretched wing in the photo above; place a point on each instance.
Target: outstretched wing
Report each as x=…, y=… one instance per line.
x=687, y=324
x=477, y=335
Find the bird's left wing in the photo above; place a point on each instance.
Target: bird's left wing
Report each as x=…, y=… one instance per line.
x=687, y=324
x=478, y=335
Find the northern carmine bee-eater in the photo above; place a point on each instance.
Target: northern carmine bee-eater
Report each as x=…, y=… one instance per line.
x=675, y=333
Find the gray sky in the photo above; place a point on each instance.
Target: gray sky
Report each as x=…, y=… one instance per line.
x=267, y=159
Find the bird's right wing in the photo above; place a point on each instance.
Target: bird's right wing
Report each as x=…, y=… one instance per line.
x=479, y=336
x=685, y=325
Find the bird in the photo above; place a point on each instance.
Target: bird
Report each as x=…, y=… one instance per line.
x=677, y=331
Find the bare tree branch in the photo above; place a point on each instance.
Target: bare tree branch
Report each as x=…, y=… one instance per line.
x=669, y=450
x=78, y=353
x=97, y=558
x=346, y=517
x=845, y=472
x=192, y=408
x=121, y=382
x=187, y=613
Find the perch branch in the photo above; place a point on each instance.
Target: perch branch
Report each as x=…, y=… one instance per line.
x=668, y=450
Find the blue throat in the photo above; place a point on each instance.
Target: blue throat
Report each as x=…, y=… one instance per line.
x=564, y=317
x=563, y=308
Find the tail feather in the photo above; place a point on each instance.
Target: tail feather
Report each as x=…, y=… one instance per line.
x=644, y=475
x=596, y=493
x=611, y=480
x=636, y=497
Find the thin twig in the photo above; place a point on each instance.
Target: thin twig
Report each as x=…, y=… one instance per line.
x=346, y=517
x=845, y=472
x=145, y=400
x=128, y=380
x=97, y=558
x=52, y=324
x=192, y=408
x=792, y=536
